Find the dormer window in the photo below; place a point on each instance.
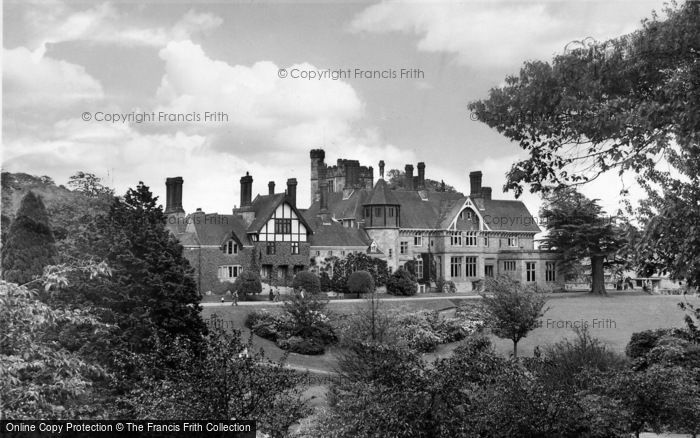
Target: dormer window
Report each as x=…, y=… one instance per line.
x=231, y=247
x=466, y=214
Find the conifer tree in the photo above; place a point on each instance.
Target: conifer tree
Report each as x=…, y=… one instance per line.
x=30, y=244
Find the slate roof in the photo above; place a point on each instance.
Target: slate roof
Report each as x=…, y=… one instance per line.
x=214, y=228
x=335, y=234
x=436, y=212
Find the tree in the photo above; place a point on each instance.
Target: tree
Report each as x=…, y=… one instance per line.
x=577, y=228
x=602, y=105
x=513, y=310
x=89, y=184
x=307, y=281
x=151, y=290
x=402, y=283
x=360, y=282
x=30, y=244
x=247, y=283
x=343, y=268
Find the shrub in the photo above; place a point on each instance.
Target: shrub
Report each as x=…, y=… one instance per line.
x=643, y=342
x=360, y=282
x=325, y=282
x=247, y=283
x=401, y=283
x=295, y=344
x=307, y=281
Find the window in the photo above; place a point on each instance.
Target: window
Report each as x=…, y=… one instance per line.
x=283, y=226
x=403, y=248
x=229, y=272
x=419, y=268
x=530, y=271
x=470, y=240
x=367, y=211
x=330, y=253
x=391, y=211
x=295, y=247
x=456, y=266
x=486, y=241
x=513, y=241
x=488, y=271
x=342, y=253
x=318, y=253
x=417, y=240
x=270, y=248
x=378, y=211
x=466, y=214
x=391, y=252
x=509, y=265
x=550, y=272
x=456, y=239
x=470, y=265
x=231, y=247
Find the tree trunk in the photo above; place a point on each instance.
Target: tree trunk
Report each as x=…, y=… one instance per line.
x=515, y=349
x=597, y=275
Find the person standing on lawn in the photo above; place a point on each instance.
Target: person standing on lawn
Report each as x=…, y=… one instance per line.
x=235, y=298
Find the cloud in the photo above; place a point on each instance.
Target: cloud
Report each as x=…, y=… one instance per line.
x=55, y=22
x=498, y=33
x=32, y=81
x=261, y=107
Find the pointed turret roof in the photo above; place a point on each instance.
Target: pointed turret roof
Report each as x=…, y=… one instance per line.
x=382, y=195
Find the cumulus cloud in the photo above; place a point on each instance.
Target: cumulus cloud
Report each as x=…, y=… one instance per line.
x=40, y=82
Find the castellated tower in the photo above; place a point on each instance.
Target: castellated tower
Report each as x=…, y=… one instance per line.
x=346, y=174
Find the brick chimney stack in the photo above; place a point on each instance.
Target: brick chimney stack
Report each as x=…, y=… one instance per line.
x=475, y=184
x=486, y=193
x=246, y=190
x=421, y=176
x=409, y=177
x=173, y=195
x=292, y=191
x=271, y=188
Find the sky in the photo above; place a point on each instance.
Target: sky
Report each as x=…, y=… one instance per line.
x=287, y=77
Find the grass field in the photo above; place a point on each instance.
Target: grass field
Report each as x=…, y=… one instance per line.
x=612, y=319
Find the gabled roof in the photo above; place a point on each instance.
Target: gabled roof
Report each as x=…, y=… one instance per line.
x=264, y=206
x=438, y=211
x=214, y=228
x=335, y=234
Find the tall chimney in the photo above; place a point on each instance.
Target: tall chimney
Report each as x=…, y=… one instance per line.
x=292, y=191
x=381, y=169
x=271, y=188
x=486, y=193
x=246, y=189
x=475, y=184
x=324, y=197
x=409, y=177
x=173, y=195
x=421, y=175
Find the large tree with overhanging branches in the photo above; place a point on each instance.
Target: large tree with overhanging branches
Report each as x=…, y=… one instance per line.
x=622, y=105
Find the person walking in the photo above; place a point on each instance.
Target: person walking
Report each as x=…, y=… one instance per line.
x=222, y=299
x=235, y=297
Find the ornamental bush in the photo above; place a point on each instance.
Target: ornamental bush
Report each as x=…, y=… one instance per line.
x=643, y=342
x=401, y=283
x=247, y=283
x=360, y=282
x=307, y=281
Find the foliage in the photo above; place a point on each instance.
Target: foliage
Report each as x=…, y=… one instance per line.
x=643, y=342
x=307, y=281
x=342, y=269
x=370, y=321
x=39, y=378
x=396, y=179
x=30, y=244
x=513, y=310
x=360, y=282
x=248, y=283
x=151, y=291
x=401, y=283
x=423, y=331
x=220, y=383
x=89, y=184
x=578, y=229
x=602, y=105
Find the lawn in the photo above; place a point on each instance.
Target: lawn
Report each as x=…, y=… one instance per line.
x=612, y=319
